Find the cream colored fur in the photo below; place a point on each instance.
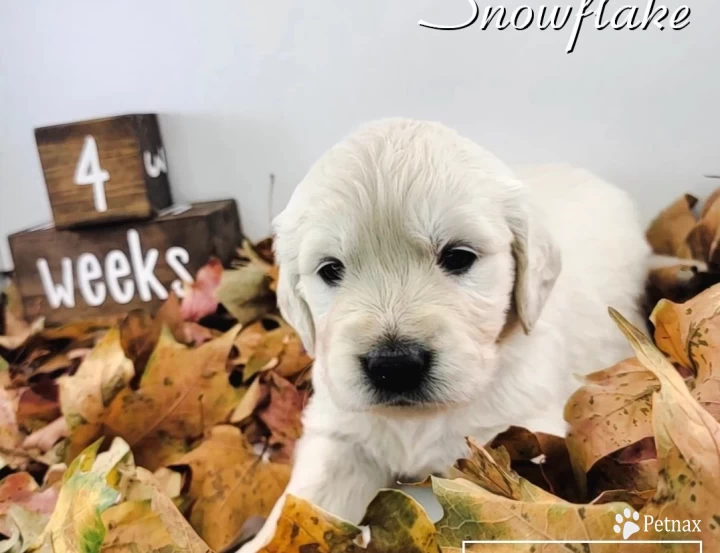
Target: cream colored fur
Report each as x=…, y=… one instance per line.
x=556, y=246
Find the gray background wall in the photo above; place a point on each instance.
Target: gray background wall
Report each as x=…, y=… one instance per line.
x=247, y=88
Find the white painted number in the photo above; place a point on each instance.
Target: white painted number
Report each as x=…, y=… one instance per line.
x=88, y=171
x=154, y=165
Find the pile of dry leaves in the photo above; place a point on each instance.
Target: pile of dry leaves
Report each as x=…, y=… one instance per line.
x=175, y=432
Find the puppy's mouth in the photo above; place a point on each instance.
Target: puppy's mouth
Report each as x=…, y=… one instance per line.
x=415, y=400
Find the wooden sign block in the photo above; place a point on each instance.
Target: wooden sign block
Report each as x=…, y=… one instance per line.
x=73, y=274
x=104, y=170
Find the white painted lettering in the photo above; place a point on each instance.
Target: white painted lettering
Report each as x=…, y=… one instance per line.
x=88, y=171
x=57, y=294
x=144, y=268
x=154, y=165
x=89, y=270
x=117, y=266
x=177, y=258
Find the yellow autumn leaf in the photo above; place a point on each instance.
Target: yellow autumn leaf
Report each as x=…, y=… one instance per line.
x=230, y=484
x=688, y=446
x=393, y=523
x=85, y=396
x=182, y=393
x=75, y=525
x=680, y=328
x=149, y=525
x=611, y=411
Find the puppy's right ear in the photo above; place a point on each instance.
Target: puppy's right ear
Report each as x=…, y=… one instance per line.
x=293, y=306
x=537, y=260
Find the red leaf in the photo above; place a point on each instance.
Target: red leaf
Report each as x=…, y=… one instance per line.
x=200, y=299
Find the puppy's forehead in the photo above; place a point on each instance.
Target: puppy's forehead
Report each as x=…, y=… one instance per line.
x=406, y=180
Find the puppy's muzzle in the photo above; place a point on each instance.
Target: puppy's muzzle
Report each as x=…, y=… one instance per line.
x=398, y=370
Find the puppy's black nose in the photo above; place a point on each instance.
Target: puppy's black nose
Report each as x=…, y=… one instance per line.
x=397, y=367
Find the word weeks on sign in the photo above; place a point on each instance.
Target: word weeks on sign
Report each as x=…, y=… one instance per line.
x=97, y=271
x=123, y=275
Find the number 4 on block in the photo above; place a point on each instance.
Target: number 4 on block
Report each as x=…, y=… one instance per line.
x=104, y=170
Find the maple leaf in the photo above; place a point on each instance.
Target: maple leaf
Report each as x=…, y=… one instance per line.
x=521, y=512
x=543, y=459
x=200, y=297
x=688, y=445
x=149, y=524
x=611, y=411
x=668, y=231
x=10, y=435
x=229, y=484
x=86, y=395
x=245, y=289
x=183, y=392
x=75, y=525
x=393, y=522
x=703, y=238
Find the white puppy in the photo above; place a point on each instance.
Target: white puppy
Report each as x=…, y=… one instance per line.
x=425, y=277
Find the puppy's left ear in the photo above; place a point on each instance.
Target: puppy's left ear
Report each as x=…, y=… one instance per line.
x=293, y=306
x=537, y=263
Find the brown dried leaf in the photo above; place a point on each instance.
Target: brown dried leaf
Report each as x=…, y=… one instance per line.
x=21, y=332
x=677, y=283
x=668, y=231
x=230, y=484
x=10, y=436
x=255, y=394
x=703, y=238
x=542, y=459
x=149, y=526
x=245, y=291
x=472, y=512
x=28, y=360
x=615, y=473
x=688, y=445
x=637, y=500
x=687, y=333
x=85, y=396
x=282, y=416
x=707, y=394
x=260, y=252
x=182, y=393
x=293, y=359
x=38, y=405
x=274, y=273
x=611, y=411
x=395, y=523
x=139, y=335
x=490, y=469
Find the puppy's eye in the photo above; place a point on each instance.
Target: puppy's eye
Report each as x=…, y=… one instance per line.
x=457, y=261
x=332, y=272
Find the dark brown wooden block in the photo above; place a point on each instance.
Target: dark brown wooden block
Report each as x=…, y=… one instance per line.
x=99, y=271
x=112, y=169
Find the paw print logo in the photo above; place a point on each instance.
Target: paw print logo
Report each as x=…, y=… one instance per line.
x=627, y=523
